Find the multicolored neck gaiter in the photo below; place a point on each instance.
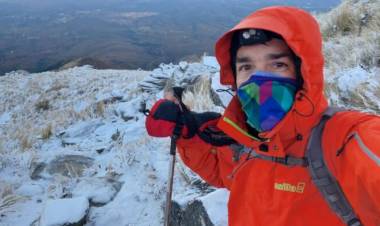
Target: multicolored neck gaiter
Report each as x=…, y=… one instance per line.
x=266, y=98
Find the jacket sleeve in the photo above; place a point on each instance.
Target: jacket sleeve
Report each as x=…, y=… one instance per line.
x=213, y=164
x=357, y=168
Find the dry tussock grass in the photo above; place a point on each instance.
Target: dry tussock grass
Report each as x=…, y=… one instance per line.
x=198, y=97
x=42, y=105
x=47, y=132
x=346, y=21
x=351, y=36
x=25, y=142
x=100, y=108
x=31, y=103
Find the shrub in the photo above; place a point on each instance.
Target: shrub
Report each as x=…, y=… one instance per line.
x=100, y=108
x=346, y=21
x=25, y=142
x=42, y=105
x=47, y=132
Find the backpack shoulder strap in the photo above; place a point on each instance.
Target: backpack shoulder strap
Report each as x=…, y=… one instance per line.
x=322, y=177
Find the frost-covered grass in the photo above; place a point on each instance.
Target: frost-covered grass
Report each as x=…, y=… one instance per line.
x=93, y=114
x=351, y=35
x=46, y=103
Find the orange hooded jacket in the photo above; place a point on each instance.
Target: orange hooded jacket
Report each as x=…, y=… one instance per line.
x=264, y=193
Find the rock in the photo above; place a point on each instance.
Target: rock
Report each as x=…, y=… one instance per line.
x=183, y=65
x=209, y=210
x=99, y=191
x=65, y=212
x=76, y=133
x=36, y=169
x=69, y=165
x=129, y=110
x=176, y=213
x=215, y=204
x=182, y=75
x=194, y=214
x=91, y=136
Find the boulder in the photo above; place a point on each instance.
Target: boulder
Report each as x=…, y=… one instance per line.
x=76, y=134
x=209, y=210
x=193, y=214
x=69, y=165
x=65, y=165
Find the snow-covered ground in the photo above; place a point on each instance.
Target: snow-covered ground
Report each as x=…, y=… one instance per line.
x=77, y=135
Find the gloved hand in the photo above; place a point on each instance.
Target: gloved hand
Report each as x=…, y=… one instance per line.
x=164, y=115
x=162, y=119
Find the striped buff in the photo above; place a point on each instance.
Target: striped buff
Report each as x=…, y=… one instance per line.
x=266, y=98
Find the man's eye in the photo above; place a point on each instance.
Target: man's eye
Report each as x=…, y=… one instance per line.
x=279, y=65
x=244, y=67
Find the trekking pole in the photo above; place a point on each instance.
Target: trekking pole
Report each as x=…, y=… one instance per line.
x=173, y=141
x=177, y=92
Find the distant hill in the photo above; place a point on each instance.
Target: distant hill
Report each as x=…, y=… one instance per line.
x=44, y=35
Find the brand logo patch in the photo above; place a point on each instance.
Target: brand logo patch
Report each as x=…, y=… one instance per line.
x=299, y=188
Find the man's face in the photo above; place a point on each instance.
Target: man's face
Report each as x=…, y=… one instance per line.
x=273, y=56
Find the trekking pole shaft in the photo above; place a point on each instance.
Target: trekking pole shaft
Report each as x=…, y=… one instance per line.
x=170, y=182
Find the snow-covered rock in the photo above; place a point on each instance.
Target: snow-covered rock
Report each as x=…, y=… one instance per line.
x=76, y=133
x=66, y=165
x=99, y=191
x=215, y=204
x=208, y=210
x=355, y=88
x=183, y=75
x=65, y=212
x=210, y=61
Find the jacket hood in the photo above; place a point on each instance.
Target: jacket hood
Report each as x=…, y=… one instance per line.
x=301, y=33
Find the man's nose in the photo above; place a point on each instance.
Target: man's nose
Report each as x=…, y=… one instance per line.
x=260, y=67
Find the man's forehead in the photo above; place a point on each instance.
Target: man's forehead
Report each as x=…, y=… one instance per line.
x=241, y=58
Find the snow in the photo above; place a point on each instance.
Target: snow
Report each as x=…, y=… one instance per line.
x=63, y=211
x=215, y=204
x=210, y=61
x=96, y=190
x=5, y=117
x=126, y=180
x=355, y=88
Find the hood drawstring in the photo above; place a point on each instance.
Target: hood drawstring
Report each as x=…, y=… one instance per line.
x=300, y=98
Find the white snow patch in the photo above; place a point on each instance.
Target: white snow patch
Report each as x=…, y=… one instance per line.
x=210, y=61
x=63, y=211
x=215, y=204
x=5, y=117
x=98, y=191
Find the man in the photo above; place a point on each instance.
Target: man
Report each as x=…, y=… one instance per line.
x=274, y=60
